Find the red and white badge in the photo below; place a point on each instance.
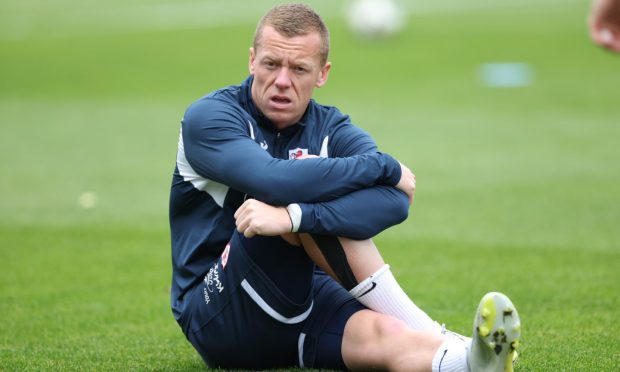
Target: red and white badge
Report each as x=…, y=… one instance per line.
x=297, y=153
x=225, y=255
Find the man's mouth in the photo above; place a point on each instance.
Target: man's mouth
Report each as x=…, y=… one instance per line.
x=280, y=100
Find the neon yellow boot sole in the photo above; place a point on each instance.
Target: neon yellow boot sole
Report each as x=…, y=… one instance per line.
x=497, y=330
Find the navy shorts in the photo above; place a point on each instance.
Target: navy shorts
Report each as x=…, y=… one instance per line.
x=238, y=318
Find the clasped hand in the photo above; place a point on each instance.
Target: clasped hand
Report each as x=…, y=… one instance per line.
x=257, y=218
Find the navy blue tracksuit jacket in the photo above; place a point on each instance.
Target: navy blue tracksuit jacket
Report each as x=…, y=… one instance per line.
x=229, y=151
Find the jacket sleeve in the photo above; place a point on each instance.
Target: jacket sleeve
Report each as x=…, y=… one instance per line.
x=360, y=214
x=216, y=143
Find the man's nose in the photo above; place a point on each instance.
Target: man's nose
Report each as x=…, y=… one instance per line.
x=283, y=80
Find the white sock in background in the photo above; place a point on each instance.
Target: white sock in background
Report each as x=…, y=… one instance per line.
x=382, y=293
x=451, y=357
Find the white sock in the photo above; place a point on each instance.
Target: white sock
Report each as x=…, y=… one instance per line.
x=382, y=293
x=451, y=357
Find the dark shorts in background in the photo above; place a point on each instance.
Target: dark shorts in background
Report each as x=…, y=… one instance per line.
x=237, y=317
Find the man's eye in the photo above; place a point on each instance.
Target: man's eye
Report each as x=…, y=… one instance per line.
x=269, y=64
x=300, y=70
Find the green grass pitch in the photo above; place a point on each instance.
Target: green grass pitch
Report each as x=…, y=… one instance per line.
x=517, y=187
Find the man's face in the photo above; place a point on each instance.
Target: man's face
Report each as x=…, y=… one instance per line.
x=286, y=71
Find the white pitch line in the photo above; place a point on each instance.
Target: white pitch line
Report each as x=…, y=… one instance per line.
x=74, y=18
x=460, y=6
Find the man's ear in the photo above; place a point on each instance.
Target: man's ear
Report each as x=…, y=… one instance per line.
x=251, y=61
x=323, y=75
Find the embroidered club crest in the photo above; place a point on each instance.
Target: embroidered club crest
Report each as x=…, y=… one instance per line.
x=225, y=255
x=297, y=153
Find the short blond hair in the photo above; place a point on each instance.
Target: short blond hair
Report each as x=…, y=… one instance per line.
x=294, y=20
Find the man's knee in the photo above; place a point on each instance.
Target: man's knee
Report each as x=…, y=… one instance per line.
x=381, y=341
x=373, y=340
x=389, y=328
